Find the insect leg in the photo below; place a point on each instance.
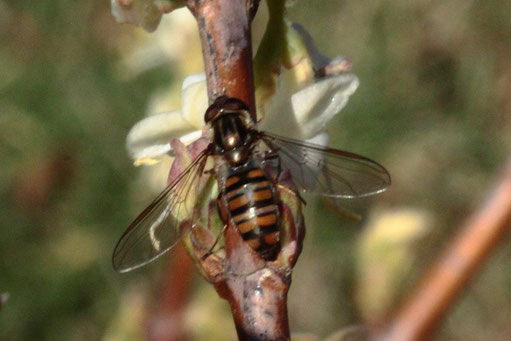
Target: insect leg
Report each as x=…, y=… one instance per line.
x=207, y=254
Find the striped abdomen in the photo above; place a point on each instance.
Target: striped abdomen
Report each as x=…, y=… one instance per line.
x=253, y=208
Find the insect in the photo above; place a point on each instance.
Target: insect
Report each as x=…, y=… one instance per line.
x=248, y=195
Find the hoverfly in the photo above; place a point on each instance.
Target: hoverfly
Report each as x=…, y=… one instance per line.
x=247, y=193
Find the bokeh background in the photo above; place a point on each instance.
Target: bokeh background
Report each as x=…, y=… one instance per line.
x=434, y=106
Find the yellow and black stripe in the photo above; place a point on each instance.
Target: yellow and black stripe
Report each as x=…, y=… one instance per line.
x=253, y=208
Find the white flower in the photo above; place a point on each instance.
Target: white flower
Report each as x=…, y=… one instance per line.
x=149, y=140
x=302, y=114
x=175, y=45
x=145, y=13
x=291, y=103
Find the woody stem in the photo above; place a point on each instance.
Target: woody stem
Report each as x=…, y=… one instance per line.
x=224, y=28
x=258, y=299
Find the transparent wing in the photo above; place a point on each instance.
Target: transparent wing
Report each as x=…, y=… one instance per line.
x=156, y=229
x=327, y=171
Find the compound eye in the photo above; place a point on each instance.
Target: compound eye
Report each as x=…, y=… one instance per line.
x=211, y=113
x=234, y=104
x=224, y=103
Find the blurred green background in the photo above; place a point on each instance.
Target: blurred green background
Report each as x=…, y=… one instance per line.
x=433, y=106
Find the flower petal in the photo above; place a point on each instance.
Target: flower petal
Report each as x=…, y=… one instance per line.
x=145, y=13
x=150, y=138
x=304, y=114
x=194, y=99
x=317, y=104
x=321, y=139
x=138, y=12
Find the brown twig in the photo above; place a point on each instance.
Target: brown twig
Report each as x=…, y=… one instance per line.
x=421, y=314
x=255, y=289
x=224, y=28
x=258, y=299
